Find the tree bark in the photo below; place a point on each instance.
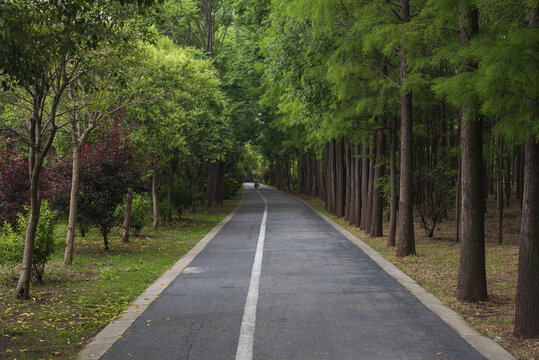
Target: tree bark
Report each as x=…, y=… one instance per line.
x=508, y=180
x=211, y=184
x=347, y=197
x=527, y=300
x=171, y=173
x=457, y=201
x=370, y=198
x=352, y=186
x=393, y=180
x=220, y=183
x=127, y=215
x=378, y=199
x=73, y=198
x=23, y=286
x=471, y=283
x=499, y=190
x=155, y=202
x=364, y=185
x=357, y=187
x=341, y=179
x=333, y=177
x=405, y=236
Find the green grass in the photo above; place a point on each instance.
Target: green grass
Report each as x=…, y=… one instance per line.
x=73, y=303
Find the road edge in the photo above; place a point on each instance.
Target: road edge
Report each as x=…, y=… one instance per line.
x=104, y=340
x=484, y=345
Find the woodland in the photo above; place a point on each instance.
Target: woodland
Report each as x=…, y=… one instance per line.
x=405, y=113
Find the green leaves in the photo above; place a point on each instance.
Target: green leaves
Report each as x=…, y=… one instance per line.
x=183, y=111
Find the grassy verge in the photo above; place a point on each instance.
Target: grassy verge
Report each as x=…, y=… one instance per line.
x=436, y=265
x=73, y=303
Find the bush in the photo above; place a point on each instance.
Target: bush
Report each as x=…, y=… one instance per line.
x=14, y=183
x=182, y=196
x=12, y=240
x=139, y=211
x=231, y=187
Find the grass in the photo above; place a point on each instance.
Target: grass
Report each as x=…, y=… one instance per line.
x=435, y=268
x=74, y=303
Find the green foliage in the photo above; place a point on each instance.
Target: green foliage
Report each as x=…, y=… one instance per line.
x=140, y=204
x=11, y=245
x=12, y=240
x=435, y=195
x=231, y=187
x=182, y=196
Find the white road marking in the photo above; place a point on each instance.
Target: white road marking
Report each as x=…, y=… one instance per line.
x=194, y=270
x=248, y=322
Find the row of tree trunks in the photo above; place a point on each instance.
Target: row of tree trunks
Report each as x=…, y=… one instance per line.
x=341, y=176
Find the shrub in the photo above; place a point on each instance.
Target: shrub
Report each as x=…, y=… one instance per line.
x=182, y=196
x=14, y=183
x=139, y=211
x=12, y=240
x=231, y=187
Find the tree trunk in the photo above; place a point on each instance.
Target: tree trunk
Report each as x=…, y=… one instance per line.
x=196, y=187
x=520, y=173
x=72, y=220
x=357, y=187
x=364, y=185
x=508, y=180
x=333, y=179
x=393, y=180
x=316, y=181
x=527, y=300
x=155, y=202
x=173, y=164
x=23, y=286
x=457, y=201
x=472, y=279
x=220, y=183
x=211, y=184
x=405, y=239
x=105, y=234
x=499, y=190
x=341, y=179
x=471, y=284
x=352, y=186
x=370, y=196
x=378, y=199
x=127, y=215
x=347, y=183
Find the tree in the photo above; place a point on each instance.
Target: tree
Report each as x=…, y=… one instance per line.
x=183, y=118
x=39, y=62
x=107, y=171
x=98, y=94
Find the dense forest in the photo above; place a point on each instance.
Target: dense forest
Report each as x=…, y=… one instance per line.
x=403, y=111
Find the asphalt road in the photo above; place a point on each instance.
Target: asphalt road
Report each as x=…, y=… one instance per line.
x=316, y=296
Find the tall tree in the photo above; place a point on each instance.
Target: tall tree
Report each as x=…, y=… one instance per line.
x=405, y=235
x=472, y=283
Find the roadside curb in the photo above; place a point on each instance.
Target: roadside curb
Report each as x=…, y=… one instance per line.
x=104, y=340
x=485, y=346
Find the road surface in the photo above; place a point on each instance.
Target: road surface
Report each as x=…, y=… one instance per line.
x=278, y=282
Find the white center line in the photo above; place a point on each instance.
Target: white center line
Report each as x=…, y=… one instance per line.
x=248, y=322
